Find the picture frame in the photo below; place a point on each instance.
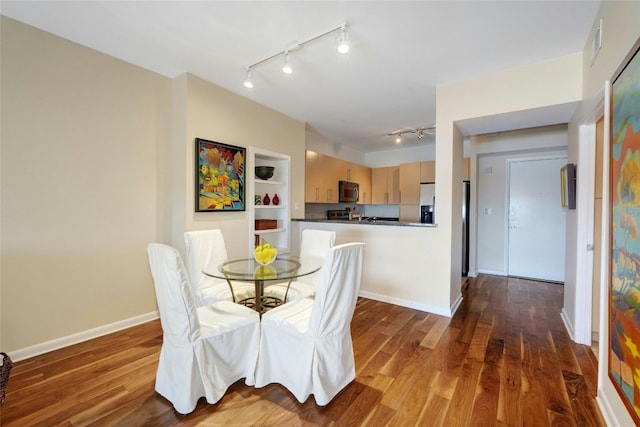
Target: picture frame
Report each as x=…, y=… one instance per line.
x=219, y=177
x=568, y=186
x=624, y=217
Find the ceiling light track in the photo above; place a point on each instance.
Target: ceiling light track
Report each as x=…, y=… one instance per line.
x=343, y=47
x=420, y=132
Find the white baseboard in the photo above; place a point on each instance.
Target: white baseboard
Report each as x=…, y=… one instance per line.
x=58, y=343
x=493, y=273
x=607, y=412
x=455, y=305
x=407, y=303
x=567, y=324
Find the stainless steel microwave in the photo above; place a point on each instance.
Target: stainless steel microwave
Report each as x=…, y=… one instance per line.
x=348, y=192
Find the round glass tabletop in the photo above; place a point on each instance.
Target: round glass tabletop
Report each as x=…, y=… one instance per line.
x=248, y=269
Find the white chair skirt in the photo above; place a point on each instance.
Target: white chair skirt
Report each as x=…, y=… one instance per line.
x=304, y=364
x=223, y=354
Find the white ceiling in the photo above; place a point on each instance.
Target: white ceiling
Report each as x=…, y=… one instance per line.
x=400, y=52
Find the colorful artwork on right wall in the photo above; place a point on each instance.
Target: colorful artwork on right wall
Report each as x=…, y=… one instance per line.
x=624, y=301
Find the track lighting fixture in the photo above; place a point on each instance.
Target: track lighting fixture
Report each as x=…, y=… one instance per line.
x=343, y=47
x=248, y=82
x=286, y=68
x=420, y=132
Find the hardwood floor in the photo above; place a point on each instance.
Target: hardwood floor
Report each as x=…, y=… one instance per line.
x=504, y=359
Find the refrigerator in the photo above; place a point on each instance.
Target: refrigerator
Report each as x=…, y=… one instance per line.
x=428, y=205
x=427, y=202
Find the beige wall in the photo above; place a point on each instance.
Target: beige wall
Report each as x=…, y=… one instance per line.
x=320, y=144
x=80, y=137
x=97, y=162
x=219, y=115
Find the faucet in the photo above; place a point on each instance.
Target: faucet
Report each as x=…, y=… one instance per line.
x=350, y=212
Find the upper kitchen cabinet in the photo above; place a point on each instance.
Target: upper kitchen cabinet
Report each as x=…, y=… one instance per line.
x=409, y=181
x=385, y=185
x=321, y=183
x=269, y=222
x=362, y=175
x=428, y=171
x=323, y=173
x=353, y=172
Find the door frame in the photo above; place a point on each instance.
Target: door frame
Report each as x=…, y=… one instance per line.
x=584, y=235
x=507, y=205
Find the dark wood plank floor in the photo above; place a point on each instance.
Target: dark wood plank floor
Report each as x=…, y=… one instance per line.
x=504, y=359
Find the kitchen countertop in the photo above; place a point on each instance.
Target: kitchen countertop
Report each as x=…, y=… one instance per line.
x=365, y=222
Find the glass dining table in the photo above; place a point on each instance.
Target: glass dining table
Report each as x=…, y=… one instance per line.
x=282, y=269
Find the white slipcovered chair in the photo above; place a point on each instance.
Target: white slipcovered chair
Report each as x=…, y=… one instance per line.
x=204, y=350
x=305, y=345
x=208, y=247
x=313, y=244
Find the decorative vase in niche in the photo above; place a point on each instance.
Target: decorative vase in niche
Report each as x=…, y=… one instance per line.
x=266, y=200
x=276, y=199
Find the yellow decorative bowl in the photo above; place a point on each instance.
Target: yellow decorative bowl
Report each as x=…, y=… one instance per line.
x=265, y=254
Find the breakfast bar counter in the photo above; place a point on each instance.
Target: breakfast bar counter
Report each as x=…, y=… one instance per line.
x=367, y=221
x=400, y=261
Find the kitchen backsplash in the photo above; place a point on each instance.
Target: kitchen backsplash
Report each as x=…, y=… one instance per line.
x=319, y=210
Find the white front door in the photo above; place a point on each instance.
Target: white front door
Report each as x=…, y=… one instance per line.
x=537, y=219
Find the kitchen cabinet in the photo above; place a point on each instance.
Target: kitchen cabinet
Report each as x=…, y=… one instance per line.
x=409, y=182
x=322, y=174
x=261, y=215
x=353, y=172
x=321, y=182
x=428, y=171
x=362, y=175
x=385, y=186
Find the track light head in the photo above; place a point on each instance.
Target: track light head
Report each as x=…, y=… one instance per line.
x=420, y=132
x=248, y=81
x=343, y=44
x=286, y=68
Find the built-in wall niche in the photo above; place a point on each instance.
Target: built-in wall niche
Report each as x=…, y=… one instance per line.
x=269, y=200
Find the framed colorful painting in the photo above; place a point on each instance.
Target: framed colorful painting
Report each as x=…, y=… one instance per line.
x=624, y=286
x=220, y=177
